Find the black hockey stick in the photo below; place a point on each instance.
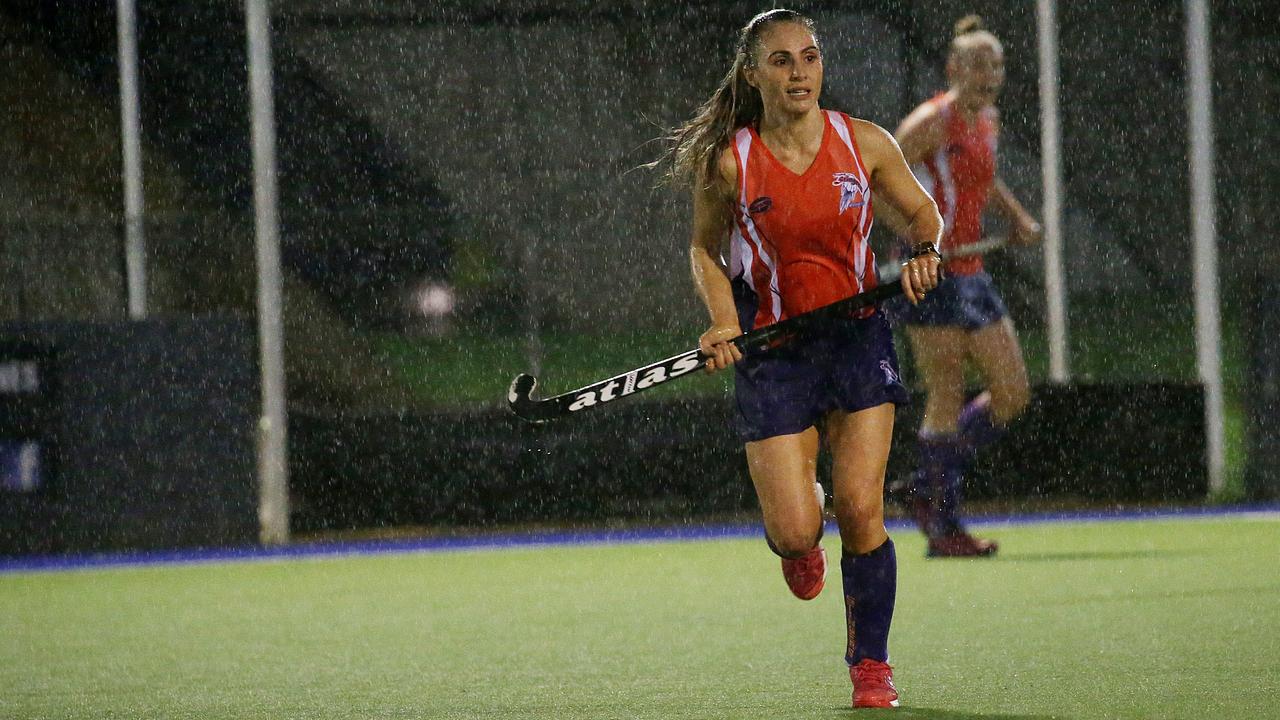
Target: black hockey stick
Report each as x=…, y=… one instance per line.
x=520, y=396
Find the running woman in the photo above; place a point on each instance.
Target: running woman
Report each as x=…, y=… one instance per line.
x=789, y=185
x=951, y=141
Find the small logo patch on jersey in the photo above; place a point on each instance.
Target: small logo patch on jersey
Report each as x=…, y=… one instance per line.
x=852, y=193
x=760, y=205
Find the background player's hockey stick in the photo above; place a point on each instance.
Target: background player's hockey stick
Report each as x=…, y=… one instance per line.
x=891, y=271
x=520, y=396
x=982, y=247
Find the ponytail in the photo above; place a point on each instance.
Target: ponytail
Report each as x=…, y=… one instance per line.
x=694, y=148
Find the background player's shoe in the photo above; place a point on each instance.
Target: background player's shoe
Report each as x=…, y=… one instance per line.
x=903, y=493
x=806, y=574
x=873, y=685
x=925, y=515
x=961, y=544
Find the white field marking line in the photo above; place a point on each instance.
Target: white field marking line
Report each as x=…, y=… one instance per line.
x=1260, y=516
x=1248, y=515
x=322, y=552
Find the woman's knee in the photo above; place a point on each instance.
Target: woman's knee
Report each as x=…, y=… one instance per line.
x=861, y=526
x=856, y=514
x=793, y=542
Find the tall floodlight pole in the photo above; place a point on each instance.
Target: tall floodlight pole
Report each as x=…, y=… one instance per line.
x=273, y=470
x=1204, y=233
x=1055, y=286
x=135, y=260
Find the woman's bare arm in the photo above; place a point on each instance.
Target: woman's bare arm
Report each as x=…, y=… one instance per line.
x=893, y=180
x=712, y=219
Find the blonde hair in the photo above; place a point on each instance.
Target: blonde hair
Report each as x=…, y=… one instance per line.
x=970, y=32
x=694, y=147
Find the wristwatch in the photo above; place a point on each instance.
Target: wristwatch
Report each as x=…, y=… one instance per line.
x=924, y=249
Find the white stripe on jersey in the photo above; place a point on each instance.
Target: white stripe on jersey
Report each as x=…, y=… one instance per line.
x=740, y=250
x=945, y=182
x=775, y=297
x=842, y=129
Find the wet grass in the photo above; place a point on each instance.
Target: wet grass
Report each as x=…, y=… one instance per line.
x=1169, y=619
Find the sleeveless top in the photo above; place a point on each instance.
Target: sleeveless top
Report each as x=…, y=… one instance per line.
x=799, y=241
x=959, y=176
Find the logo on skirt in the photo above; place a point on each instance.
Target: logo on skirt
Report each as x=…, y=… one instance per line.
x=890, y=375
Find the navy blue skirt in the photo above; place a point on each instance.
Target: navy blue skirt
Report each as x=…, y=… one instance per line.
x=970, y=302
x=847, y=365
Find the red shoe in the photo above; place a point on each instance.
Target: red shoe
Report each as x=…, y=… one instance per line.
x=961, y=544
x=806, y=574
x=873, y=685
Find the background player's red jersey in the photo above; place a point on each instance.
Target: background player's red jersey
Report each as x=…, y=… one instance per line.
x=959, y=177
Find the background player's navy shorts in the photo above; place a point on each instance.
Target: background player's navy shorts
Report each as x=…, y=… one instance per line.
x=967, y=301
x=850, y=365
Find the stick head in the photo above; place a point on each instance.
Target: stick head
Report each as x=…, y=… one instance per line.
x=520, y=398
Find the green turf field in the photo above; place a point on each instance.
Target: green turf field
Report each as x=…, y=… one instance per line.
x=1157, y=619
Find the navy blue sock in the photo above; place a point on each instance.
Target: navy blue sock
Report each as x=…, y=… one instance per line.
x=949, y=502
x=938, y=480
x=870, y=589
x=977, y=425
x=928, y=450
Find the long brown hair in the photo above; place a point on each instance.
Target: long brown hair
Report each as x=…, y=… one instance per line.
x=694, y=147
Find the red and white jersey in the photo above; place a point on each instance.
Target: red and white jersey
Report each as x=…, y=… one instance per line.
x=800, y=240
x=959, y=177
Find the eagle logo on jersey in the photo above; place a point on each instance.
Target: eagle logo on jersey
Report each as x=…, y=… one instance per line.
x=852, y=193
